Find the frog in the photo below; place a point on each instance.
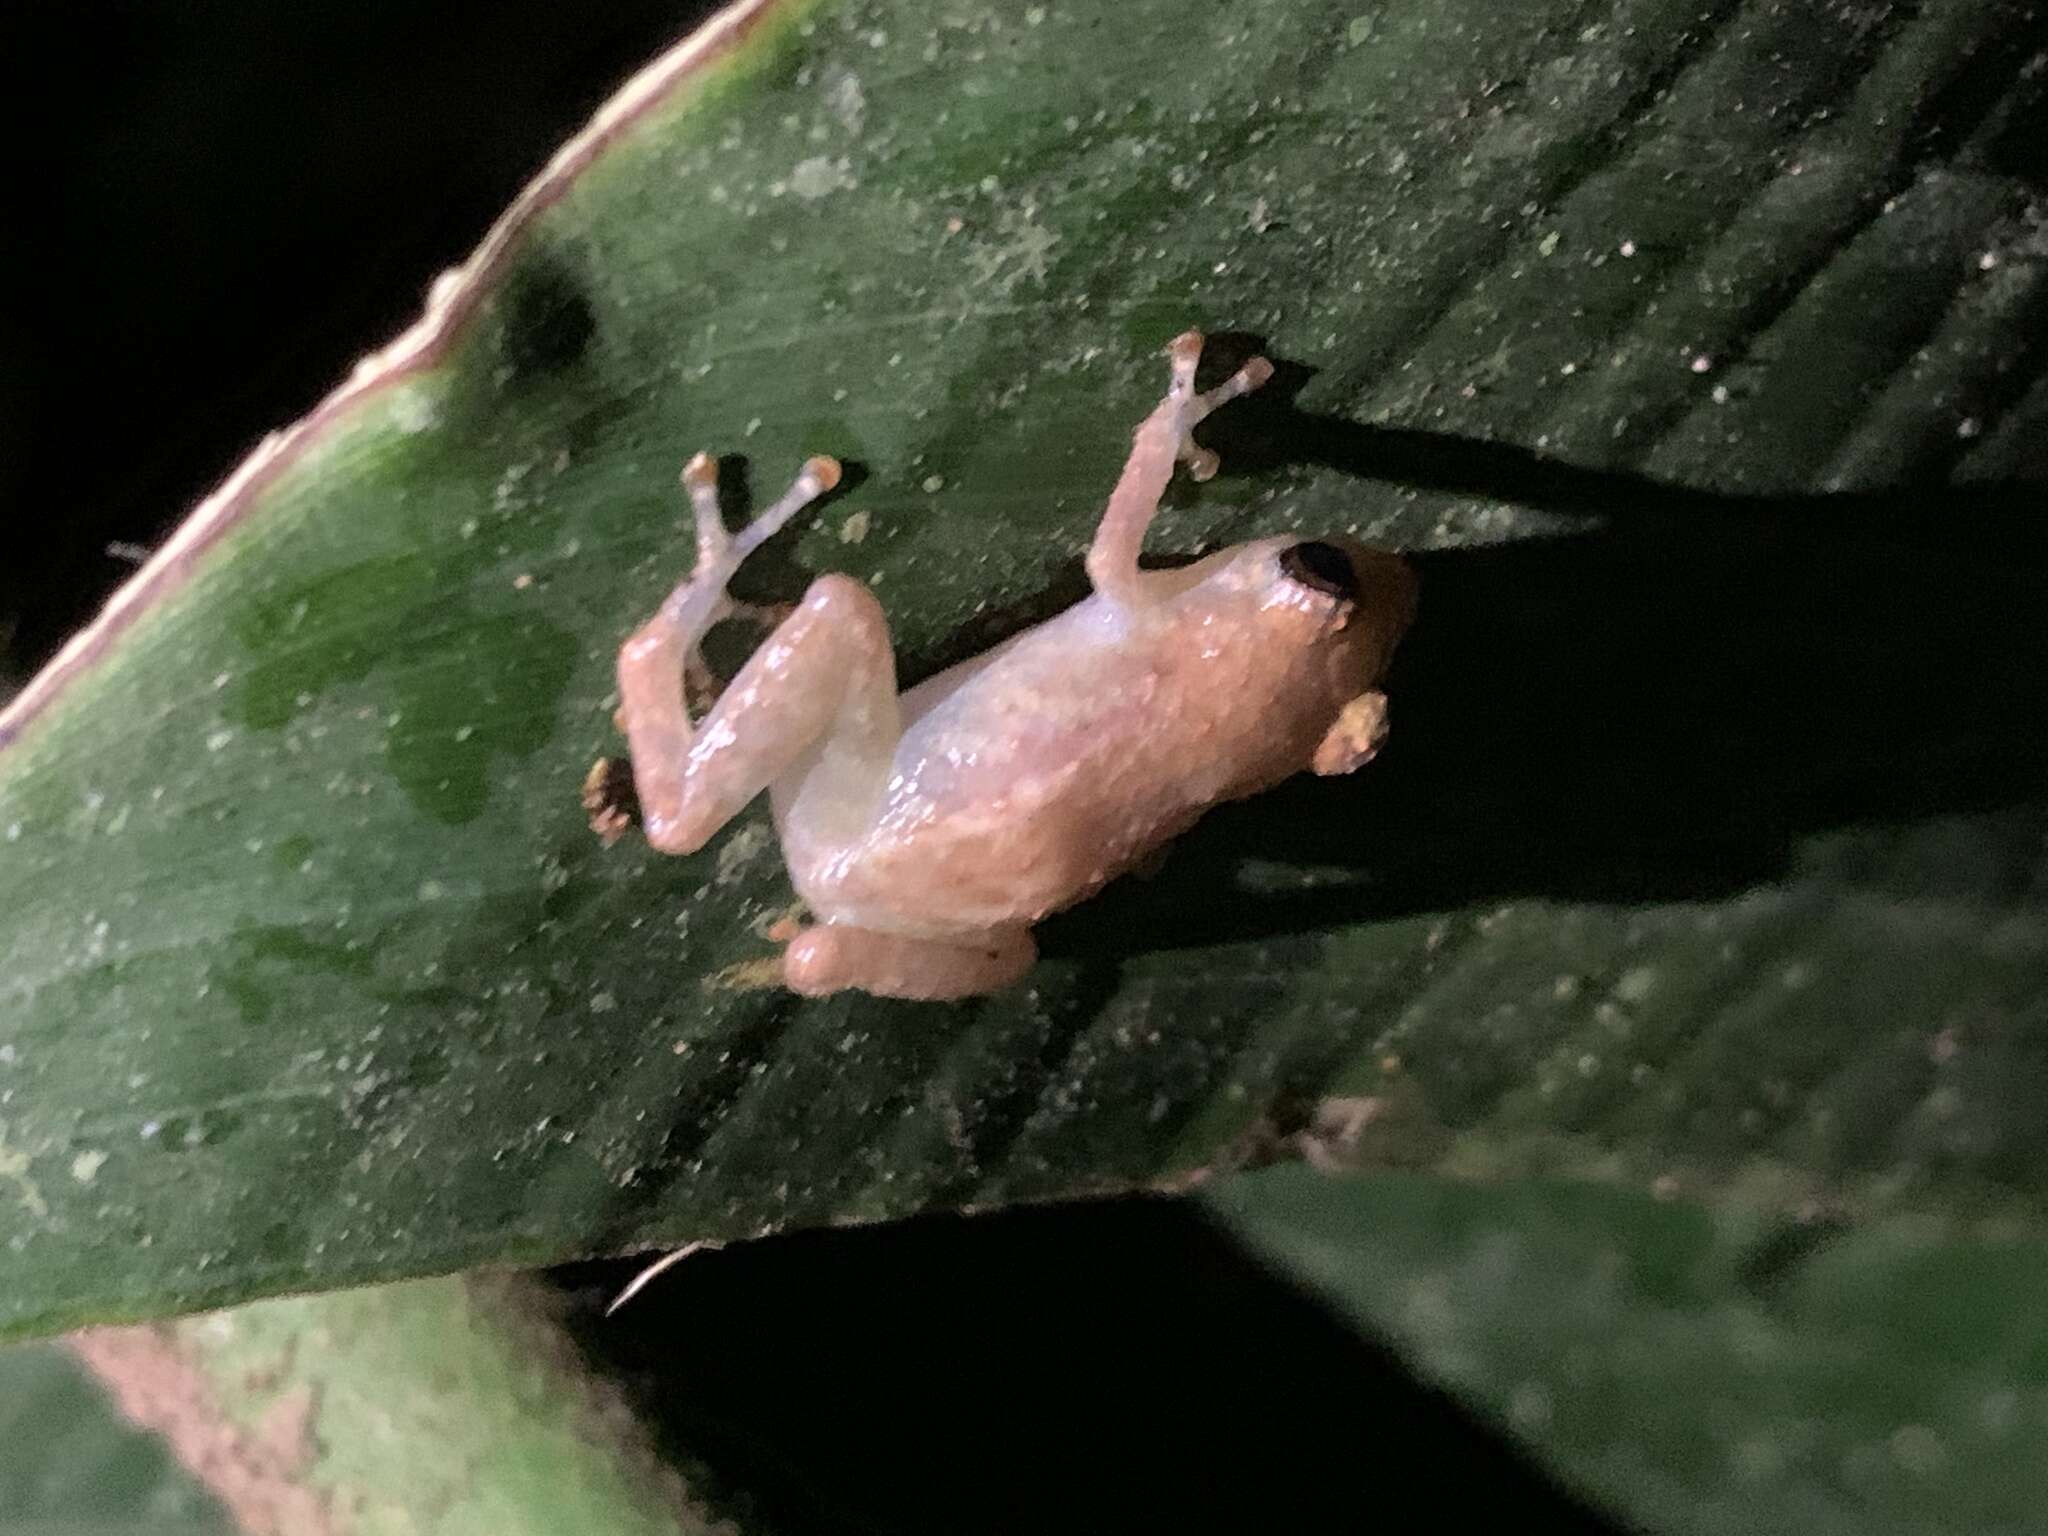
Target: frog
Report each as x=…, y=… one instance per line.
x=928, y=830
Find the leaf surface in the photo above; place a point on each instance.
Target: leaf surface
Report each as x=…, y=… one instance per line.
x=1695, y=348
x=70, y=1465
x=1698, y=1370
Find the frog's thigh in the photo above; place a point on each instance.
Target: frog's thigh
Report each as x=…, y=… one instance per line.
x=825, y=674
x=833, y=956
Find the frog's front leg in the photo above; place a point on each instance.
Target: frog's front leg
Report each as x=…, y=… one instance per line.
x=821, y=690
x=1163, y=439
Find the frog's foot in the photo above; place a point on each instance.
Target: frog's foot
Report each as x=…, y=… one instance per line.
x=832, y=956
x=701, y=601
x=1164, y=439
x=1185, y=351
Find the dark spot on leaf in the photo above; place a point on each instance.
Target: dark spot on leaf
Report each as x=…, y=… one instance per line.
x=548, y=320
x=291, y=852
x=200, y=1128
x=266, y=959
x=305, y=638
x=493, y=694
x=465, y=686
x=1783, y=1252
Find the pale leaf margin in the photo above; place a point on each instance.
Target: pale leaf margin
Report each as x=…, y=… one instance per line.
x=452, y=301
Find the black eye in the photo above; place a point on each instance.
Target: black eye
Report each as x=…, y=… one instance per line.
x=1321, y=567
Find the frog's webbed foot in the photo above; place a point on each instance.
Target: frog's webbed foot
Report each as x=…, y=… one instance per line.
x=1186, y=352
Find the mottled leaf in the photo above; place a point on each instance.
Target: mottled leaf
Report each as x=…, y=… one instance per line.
x=1697, y=349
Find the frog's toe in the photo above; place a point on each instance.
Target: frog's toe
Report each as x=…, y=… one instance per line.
x=1184, y=352
x=819, y=475
x=1192, y=408
x=700, y=480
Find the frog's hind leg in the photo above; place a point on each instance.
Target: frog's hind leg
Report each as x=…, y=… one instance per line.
x=1164, y=438
x=818, y=696
x=834, y=956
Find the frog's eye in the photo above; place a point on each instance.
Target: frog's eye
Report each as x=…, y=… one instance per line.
x=1322, y=568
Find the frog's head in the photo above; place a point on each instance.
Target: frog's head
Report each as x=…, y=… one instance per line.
x=1350, y=604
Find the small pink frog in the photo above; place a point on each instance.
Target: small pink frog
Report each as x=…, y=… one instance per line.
x=928, y=831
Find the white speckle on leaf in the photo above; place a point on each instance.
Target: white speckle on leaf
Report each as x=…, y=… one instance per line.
x=86, y=1166
x=1918, y=1449
x=855, y=528
x=845, y=100
x=933, y=484
x=414, y=410
x=218, y=740
x=820, y=176
x=1529, y=1406
x=1999, y=1410
x=1636, y=984
x=1756, y=1460
x=1022, y=249
x=506, y=491
x=14, y=1166
x=740, y=850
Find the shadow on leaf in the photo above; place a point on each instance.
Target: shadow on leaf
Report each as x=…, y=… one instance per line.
x=1658, y=707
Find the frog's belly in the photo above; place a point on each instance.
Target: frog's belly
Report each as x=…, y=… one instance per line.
x=1033, y=820
x=1051, y=767
x=1013, y=859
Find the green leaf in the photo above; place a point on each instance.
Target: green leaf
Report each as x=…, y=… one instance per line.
x=71, y=1465
x=439, y=1405
x=1703, y=1370
x=1708, y=846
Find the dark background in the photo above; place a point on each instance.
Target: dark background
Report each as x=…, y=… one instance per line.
x=234, y=202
